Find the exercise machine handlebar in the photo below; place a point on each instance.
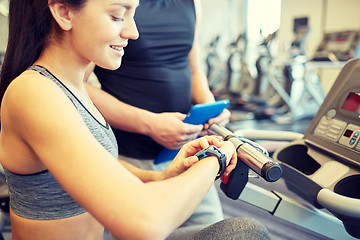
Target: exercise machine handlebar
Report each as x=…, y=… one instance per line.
x=256, y=160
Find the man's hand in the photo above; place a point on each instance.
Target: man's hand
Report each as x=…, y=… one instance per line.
x=169, y=130
x=222, y=119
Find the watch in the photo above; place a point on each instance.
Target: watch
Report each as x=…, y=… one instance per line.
x=214, y=151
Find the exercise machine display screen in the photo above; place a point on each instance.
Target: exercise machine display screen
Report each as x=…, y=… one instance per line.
x=336, y=126
x=348, y=133
x=352, y=102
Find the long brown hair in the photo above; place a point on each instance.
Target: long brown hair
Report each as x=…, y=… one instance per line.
x=30, y=24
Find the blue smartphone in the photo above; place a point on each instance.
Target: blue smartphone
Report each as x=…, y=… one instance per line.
x=198, y=114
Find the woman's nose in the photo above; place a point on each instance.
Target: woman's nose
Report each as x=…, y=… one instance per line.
x=130, y=31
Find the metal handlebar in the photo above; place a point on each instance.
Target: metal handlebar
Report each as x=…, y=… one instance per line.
x=253, y=156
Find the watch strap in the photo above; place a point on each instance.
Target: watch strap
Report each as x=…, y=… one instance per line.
x=214, y=151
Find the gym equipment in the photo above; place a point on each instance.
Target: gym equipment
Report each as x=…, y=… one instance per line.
x=238, y=85
x=238, y=80
x=322, y=166
x=338, y=46
x=232, y=71
x=216, y=69
x=270, y=74
x=1, y=58
x=301, y=30
x=304, y=93
x=327, y=159
x=251, y=154
x=299, y=87
x=4, y=8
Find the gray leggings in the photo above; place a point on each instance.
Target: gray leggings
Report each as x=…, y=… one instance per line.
x=229, y=229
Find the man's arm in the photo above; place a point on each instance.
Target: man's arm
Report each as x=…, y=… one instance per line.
x=166, y=128
x=200, y=87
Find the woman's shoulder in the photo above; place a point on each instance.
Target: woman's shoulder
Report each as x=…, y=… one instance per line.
x=28, y=77
x=28, y=94
x=27, y=86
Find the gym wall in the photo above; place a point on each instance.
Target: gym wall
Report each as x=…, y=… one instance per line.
x=324, y=16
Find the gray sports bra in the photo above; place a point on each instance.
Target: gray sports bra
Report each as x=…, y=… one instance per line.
x=39, y=196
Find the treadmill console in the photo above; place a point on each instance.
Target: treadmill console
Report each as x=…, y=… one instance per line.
x=336, y=127
x=324, y=166
x=338, y=46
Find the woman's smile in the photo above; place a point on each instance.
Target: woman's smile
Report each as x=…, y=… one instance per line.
x=119, y=50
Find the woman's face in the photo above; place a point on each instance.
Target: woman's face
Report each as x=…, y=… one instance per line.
x=101, y=29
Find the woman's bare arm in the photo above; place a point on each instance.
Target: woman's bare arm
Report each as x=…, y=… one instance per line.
x=123, y=203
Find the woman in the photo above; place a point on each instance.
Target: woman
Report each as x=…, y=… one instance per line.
x=59, y=153
x=161, y=78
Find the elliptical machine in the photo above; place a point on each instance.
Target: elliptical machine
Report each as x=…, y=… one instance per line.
x=238, y=85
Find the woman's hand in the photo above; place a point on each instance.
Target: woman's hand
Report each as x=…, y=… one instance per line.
x=231, y=157
x=186, y=156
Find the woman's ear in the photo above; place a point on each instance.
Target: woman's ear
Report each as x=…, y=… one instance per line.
x=61, y=14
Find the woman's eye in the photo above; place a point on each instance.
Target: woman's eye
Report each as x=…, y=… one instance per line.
x=116, y=19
